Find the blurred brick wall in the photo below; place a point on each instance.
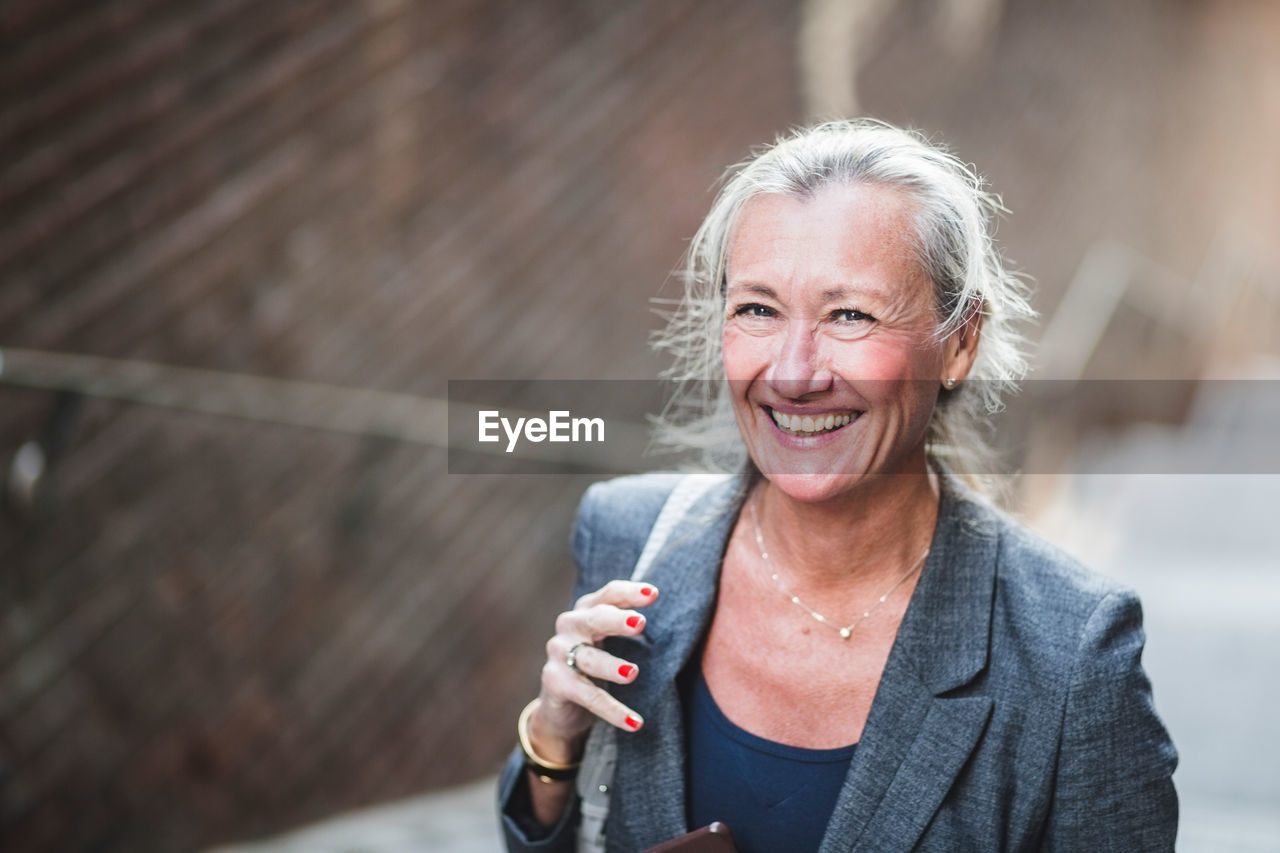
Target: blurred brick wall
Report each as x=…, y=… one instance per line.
x=212, y=628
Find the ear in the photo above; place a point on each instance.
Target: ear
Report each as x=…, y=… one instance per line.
x=960, y=350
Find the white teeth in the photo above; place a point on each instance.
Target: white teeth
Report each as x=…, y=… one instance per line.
x=808, y=424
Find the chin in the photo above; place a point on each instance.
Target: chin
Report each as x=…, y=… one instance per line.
x=814, y=487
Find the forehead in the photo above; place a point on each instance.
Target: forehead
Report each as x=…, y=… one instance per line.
x=843, y=235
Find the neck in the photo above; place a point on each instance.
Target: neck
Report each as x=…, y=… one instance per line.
x=869, y=536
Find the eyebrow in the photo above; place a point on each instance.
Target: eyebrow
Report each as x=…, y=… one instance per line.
x=752, y=287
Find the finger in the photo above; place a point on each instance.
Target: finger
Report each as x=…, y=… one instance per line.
x=592, y=624
x=621, y=593
x=593, y=662
x=598, y=701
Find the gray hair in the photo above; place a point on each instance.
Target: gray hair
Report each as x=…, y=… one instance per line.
x=953, y=216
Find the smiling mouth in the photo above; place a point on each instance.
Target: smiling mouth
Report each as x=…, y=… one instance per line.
x=808, y=425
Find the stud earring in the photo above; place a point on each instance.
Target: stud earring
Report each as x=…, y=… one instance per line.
x=950, y=383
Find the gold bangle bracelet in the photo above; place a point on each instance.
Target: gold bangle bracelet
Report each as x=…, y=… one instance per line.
x=546, y=771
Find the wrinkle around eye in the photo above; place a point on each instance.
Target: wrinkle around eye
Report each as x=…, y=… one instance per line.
x=852, y=330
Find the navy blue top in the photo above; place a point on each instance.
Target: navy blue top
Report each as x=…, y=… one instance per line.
x=773, y=796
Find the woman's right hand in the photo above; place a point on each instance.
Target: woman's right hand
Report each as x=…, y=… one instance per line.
x=570, y=698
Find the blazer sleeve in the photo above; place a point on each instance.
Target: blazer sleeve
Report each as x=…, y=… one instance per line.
x=1114, y=785
x=519, y=829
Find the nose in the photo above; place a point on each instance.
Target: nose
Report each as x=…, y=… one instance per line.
x=798, y=368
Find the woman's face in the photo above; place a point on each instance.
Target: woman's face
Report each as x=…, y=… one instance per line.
x=829, y=339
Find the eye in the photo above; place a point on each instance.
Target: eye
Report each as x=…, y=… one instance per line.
x=851, y=315
x=754, y=309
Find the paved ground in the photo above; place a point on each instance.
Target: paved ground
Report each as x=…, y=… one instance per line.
x=461, y=820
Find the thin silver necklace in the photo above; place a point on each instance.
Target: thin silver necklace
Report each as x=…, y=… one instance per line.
x=846, y=631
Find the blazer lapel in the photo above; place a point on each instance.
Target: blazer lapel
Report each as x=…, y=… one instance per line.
x=649, y=807
x=916, y=740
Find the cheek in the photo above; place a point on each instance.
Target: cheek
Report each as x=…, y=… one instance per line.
x=880, y=361
x=885, y=373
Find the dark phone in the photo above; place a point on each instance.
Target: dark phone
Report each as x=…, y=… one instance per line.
x=715, y=838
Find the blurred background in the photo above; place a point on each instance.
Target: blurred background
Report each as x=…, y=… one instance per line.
x=244, y=246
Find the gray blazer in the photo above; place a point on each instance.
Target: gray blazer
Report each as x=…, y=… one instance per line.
x=1013, y=712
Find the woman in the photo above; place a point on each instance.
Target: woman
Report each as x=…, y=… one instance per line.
x=842, y=647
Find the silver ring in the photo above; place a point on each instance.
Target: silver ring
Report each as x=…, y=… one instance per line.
x=571, y=659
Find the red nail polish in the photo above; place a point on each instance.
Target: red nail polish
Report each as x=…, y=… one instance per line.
x=646, y=591
x=633, y=722
x=626, y=670
x=634, y=621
